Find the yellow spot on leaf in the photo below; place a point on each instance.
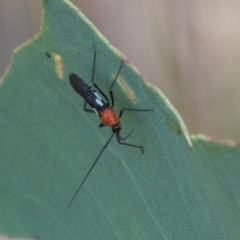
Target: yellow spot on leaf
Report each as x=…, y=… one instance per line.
x=58, y=65
x=127, y=89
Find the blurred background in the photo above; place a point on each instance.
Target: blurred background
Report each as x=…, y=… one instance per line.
x=189, y=49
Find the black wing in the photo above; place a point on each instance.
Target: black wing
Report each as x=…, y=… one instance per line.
x=87, y=93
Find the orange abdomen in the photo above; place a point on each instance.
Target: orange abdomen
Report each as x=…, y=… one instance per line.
x=108, y=117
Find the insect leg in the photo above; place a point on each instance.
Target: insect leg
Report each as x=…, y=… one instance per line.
x=119, y=139
x=93, y=73
x=110, y=91
x=128, y=144
x=87, y=109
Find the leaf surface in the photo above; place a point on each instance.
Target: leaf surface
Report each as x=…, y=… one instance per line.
x=181, y=188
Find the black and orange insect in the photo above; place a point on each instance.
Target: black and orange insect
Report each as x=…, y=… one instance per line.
x=103, y=109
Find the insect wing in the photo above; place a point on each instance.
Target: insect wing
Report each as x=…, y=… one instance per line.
x=78, y=85
x=88, y=94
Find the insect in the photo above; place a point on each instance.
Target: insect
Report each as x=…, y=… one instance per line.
x=103, y=109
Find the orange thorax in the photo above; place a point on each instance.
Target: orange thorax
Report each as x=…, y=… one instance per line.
x=108, y=117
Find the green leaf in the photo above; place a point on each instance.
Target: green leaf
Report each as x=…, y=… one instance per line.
x=181, y=188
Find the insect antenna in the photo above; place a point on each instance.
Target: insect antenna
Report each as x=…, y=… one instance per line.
x=89, y=171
